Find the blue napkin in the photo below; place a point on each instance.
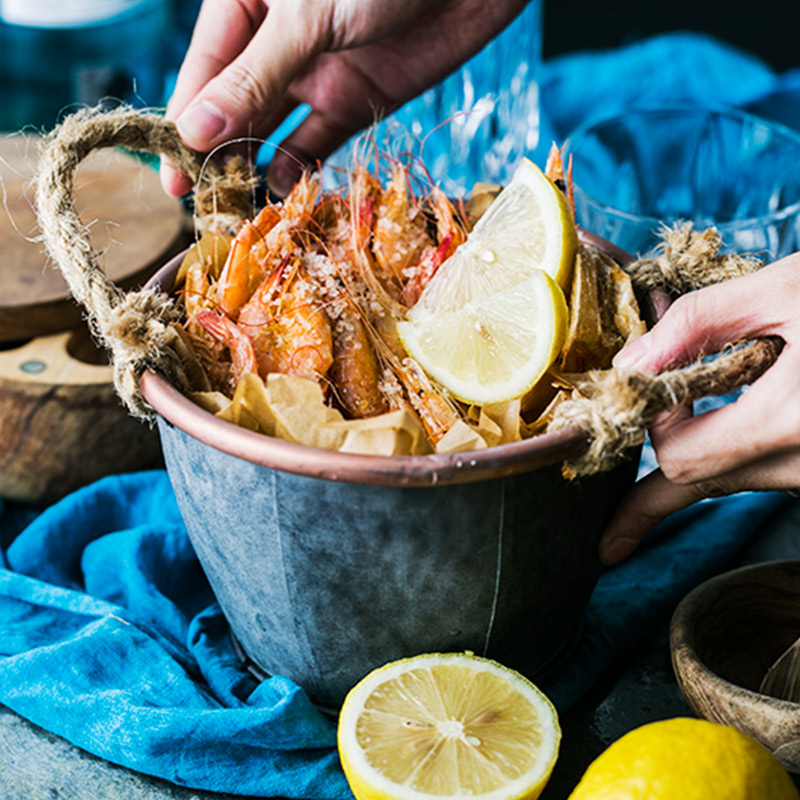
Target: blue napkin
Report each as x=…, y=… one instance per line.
x=110, y=637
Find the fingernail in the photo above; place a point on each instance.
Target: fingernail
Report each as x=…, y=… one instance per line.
x=633, y=353
x=201, y=122
x=613, y=551
x=281, y=178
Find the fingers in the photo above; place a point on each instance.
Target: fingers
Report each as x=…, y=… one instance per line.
x=236, y=100
x=315, y=138
x=752, y=444
x=764, y=419
x=655, y=497
x=222, y=31
x=650, y=501
x=706, y=320
x=233, y=81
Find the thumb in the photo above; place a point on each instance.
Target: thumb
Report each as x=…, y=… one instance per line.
x=253, y=85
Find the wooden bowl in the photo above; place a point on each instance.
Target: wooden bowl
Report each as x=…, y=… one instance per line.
x=724, y=637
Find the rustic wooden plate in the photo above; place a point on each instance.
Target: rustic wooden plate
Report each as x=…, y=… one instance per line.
x=133, y=223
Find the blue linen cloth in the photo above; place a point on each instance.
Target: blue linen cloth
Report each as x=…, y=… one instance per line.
x=110, y=637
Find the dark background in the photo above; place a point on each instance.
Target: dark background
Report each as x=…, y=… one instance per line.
x=768, y=28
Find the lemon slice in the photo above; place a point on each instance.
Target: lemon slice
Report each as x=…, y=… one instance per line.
x=495, y=348
x=446, y=726
x=493, y=318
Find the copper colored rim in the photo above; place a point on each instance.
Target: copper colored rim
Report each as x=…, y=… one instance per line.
x=429, y=470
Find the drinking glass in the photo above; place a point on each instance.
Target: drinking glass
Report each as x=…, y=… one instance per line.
x=714, y=167
x=478, y=122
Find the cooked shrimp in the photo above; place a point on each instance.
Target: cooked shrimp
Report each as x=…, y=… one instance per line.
x=237, y=279
x=450, y=235
x=243, y=359
x=262, y=244
x=432, y=258
x=355, y=371
x=401, y=231
x=447, y=223
x=290, y=330
x=436, y=412
x=554, y=169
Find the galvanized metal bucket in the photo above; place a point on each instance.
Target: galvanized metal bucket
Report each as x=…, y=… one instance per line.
x=328, y=564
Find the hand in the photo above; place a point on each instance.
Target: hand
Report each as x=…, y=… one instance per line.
x=251, y=62
x=751, y=444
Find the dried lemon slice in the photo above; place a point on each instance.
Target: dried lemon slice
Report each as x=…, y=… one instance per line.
x=493, y=318
x=445, y=726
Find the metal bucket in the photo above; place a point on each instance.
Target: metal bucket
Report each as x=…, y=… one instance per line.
x=328, y=564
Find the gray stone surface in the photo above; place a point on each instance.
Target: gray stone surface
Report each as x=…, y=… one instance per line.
x=36, y=765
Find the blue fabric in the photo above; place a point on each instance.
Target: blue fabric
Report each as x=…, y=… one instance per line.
x=110, y=637
x=673, y=69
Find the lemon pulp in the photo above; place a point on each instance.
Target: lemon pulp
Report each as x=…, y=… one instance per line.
x=447, y=726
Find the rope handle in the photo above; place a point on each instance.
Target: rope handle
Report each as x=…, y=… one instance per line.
x=615, y=407
x=134, y=326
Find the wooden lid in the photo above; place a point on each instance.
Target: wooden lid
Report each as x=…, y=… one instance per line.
x=132, y=222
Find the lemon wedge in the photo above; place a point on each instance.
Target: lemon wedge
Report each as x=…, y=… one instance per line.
x=495, y=349
x=446, y=726
x=493, y=318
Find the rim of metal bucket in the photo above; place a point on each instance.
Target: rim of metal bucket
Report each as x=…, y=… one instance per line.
x=428, y=470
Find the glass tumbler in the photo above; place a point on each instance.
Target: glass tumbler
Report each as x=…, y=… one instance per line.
x=716, y=167
x=478, y=122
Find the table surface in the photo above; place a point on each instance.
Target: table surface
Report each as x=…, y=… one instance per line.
x=35, y=765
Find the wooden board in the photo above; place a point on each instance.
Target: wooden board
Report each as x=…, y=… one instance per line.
x=132, y=221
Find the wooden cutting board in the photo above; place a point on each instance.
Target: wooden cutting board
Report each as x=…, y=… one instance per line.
x=132, y=222
x=61, y=423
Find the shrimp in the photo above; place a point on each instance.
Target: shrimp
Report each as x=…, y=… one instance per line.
x=262, y=244
x=554, y=170
x=224, y=330
x=447, y=224
x=355, y=372
x=238, y=278
x=197, y=299
x=291, y=332
x=432, y=258
x=401, y=231
x=435, y=411
x=450, y=235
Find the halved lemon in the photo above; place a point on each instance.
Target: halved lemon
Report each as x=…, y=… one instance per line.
x=493, y=318
x=446, y=726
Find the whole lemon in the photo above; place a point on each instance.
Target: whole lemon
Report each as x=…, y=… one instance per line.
x=685, y=759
